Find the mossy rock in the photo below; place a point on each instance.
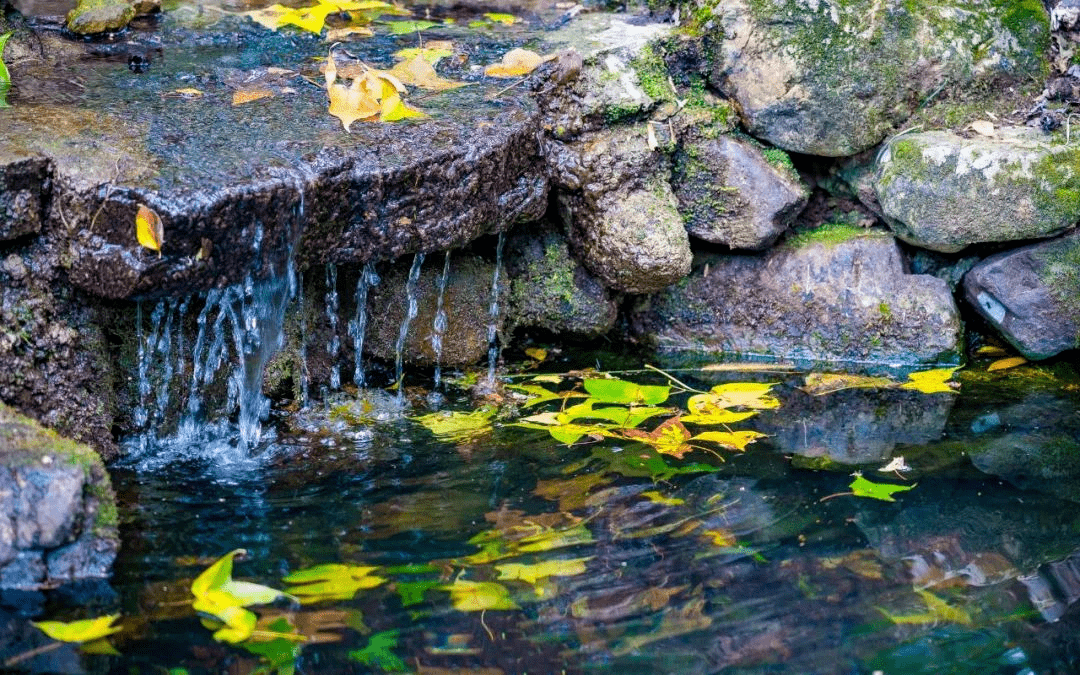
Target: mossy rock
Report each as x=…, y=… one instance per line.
x=100, y=16
x=943, y=192
x=834, y=77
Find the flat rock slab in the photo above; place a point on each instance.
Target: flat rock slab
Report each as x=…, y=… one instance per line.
x=1031, y=295
x=942, y=191
x=849, y=301
x=239, y=187
x=57, y=516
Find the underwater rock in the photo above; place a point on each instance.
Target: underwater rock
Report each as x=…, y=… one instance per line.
x=833, y=78
x=836, y=294
x=1031, y=295
x=619, y=209
x=467, y=304
x=57, y=515
x=551, y=290
x=734, y=193
x=941, y=191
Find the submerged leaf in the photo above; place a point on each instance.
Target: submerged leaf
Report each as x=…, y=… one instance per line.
x=818, y=384
x=458, y=426
x=497, y=17
x=419, y=72
x=478, y=596
x=670, y=438
x=248, y=95
x=377, y=653
x=932, y=381
x=332, y=582
x=862, y=487
x=734, y=440
x=1002, y=364
x=217, y=585
x=85, y=630
x=433, y=52
x=532, y=573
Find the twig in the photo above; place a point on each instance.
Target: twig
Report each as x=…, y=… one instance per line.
x=491, y=635
x=672, y=378
x=108, y=193
x=506, y=89
x=838, y=494
x=37, y=651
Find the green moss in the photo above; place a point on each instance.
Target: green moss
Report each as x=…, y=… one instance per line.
x=652, y=73
x=1029, y=22
x=885, y=310
x=829, y=234
x=778, y=158
x=621, y=114
x=1061, y=274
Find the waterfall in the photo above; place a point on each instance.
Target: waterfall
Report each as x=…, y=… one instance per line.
x=440, y=323
x=410, y=314
x=358, y=326
x=305, y=380
x=333, y=345
x=493, y=327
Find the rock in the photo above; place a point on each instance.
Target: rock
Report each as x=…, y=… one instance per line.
x=551, y=290
x=944, y=192
x=837, y=294
x=22, y=210
x=467, y=304
x=57, y=516
x=100, y=16
x=834, y=78
x=619, y=209
x=1031, y=295
x=1066, y=15
x=734, y=193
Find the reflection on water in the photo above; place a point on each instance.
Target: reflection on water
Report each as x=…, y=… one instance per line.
x=507, y=552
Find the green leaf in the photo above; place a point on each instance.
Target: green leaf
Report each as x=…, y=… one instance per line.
x=234, y=623
x=280, y=652
x=497, y=17
x=5, y=76
x=406, y=27
x=377, y=653
x=883, y=491
x=86, y=630
x=621, y=391
x=479, y=596
x=458, y=426
x=625, y=417
x=643, y=462
x=332, y=582
x=412, y=592
x=217, y=579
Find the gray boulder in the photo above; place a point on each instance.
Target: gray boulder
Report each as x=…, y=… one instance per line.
x=57, y=516
x=467, y=303
x=838, y=294
x=833, y=78
x=620, y=211
x=1031, y=295
x=551, y=290
x=731, y=192
x=941, y=191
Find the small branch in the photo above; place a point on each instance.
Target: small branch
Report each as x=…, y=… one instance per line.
x=838, y=494
x=38, y=651
x=685, y=387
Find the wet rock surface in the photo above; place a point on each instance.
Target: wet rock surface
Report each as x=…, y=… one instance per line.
x=849, y=300
x=834, y=78
x=58, y=518
x=943, y=192
x=1031, y=295
x=730, y=193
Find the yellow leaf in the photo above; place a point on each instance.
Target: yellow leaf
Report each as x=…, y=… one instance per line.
x=148, y=229
x=657, y=498
x=505, y=19
x=269, y=17
x=536, y=353
x=532, y=573
x=394, y=109
x=720, y=538
x=931, y=381
x=983, y=127
x=435, y=51
x=418, y=72
x=745, y=395
x=185, y=92
x=86, y=630
x=990, y=350
x=311, y=19
x=349, y=104
x=818, y=384
x=1002, y=364
x=343, y=34
x=515, y=63
x=734, y=440
x=248, y=95
x=705, y=409
x=477, y=596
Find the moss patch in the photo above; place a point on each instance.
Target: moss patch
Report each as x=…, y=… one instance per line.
x=830, y=234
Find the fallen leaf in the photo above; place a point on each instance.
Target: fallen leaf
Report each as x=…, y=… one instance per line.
x=248, y=95
x=148, y=229
x=433, y=52
x=897, y=464
x=670, y=438
x=733, y=440
x=185, y=92
x=479, y=596
x=984, y=127
x=932, y=381
x=458, y=426
x=1003, y=364
x=515, y=63
x=752, y=395
x=818, y=384
x=536, y=353
x=706, y=409
x=506, y=19
x=883, y=491
x=621, y=391
x=419, y=72
x=332, y=582
x=85, y=630
x=343, y=34
x=409, y=26
x=532, y=573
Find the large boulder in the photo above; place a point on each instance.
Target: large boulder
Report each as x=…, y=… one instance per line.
x=620, y=211
x=551, y=290
x=942, y=191
x=833, y=78
x=733, y=192
x=1031, y=295
x=838, y=294
x=57, y=515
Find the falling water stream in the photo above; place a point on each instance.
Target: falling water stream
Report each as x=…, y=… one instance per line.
x=358, y=326
x=403, y=334
x=333, y=344
x=438, y=329
x=493, y=326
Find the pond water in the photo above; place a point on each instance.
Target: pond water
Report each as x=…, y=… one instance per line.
x=493, y=548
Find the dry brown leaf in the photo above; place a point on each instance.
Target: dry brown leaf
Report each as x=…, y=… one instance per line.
x=515, y=63
x=186, y=92
x=248, y=95
x=418, y=72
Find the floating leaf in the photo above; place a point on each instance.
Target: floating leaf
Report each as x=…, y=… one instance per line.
x=538, y=394
x=148, y=229
x=1002, y=364
x=406, y=27
x=377, y=653
x=670, y=438
x=332, y=582
x=217, y=579
x=818, y=384
x=534, y=572
x=432, y=52
x=931, y=381
x=621, y=391
x=458, y=426
x=506, y=19
x=515, y=63
x=940, y=611
x=745, y=395
x=883, y=491
x=5, y=76
x=85, y=630
x=733, y=440
x=313, y=18
x=627, y=417
x=248, y=95
x=706, y=409
x=478, y=596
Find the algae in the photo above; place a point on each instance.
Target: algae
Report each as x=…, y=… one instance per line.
x=830, y=234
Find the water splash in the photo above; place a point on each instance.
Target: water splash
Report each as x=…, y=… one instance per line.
x=358, y=326
x=493, y=311
x=333, y=345
x=440, y=323
x=410, y=314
